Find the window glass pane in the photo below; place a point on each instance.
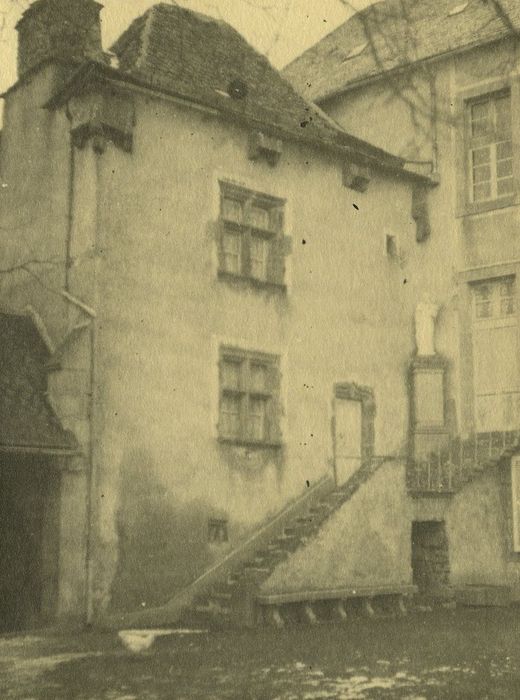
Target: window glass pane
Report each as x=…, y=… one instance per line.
x=505, y=186
x=257, y=412
x=482, y=295
x=232, y=250
x=258, y=378
x=481, y=156
x=482, y=173
x=503, y=113
x=259, y=257
x=504, y=150
x=258, y=217
x=480, y=119
x=507, y=298
x=481, y=192
x=230, y=416
x=505, y=168
x=232, y=209
x=231, y=374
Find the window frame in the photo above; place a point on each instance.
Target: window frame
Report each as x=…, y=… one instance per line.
x=247, y=393
x=492, y=141
x=271, y=236
x=502, y=313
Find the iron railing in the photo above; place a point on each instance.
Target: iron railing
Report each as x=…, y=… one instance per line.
x=444, y=471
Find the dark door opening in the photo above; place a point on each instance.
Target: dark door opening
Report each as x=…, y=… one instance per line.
x=430, y=557
x=24, y=486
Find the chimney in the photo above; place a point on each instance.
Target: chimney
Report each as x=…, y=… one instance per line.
x=67, y=31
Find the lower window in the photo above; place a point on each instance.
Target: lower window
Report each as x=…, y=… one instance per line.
x=249, y=391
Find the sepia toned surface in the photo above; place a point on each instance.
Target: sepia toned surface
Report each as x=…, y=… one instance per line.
x=259, y=335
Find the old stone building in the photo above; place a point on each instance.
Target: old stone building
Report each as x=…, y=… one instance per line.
x=210, y=262
x=212, y=295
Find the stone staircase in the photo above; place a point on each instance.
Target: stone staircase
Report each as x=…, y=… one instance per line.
x=230, y=601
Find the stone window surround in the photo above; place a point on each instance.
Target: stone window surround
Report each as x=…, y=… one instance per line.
x=365, y=395
x=273, y=438
x=276, y=237
x=464, y=207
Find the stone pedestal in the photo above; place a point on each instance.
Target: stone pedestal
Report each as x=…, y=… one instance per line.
x=428, y=414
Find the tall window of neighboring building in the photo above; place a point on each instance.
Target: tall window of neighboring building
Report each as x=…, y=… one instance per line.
x=252, y=244
x=495, y=354
x=249, y=389
x=490, y=148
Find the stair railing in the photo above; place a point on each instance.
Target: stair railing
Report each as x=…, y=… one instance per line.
x=444, y=471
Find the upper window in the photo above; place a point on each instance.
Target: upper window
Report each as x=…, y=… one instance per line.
x=494, y=299
x=490, y=148
x=252, y=244
x=249, y=387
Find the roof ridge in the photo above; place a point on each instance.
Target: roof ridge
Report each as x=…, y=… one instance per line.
x=168, y=6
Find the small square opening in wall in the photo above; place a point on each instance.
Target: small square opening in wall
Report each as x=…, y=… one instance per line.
x=391, y=246
x=217, y=530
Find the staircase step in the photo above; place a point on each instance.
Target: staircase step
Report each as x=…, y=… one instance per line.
x=256, y=571
x=220, y=595
x=288, y=540
x=255, y=562
x=272, y=555
x=322, y=507
x=212, y=610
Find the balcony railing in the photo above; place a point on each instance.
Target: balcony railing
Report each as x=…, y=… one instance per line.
x=443, y=472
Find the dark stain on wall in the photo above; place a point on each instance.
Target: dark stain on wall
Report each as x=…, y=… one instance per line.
x=163, y=542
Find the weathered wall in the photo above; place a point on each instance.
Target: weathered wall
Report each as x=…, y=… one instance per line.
x=476, y=532
x=34, y=199
x=34, y=221
x=365, y=543
x=368, y=541
x=424, y=121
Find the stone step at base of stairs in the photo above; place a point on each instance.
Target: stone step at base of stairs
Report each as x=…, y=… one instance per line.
x=322, y=507
x=212, y=610
x=274, y=554
x=221, y=596
x=255, y=573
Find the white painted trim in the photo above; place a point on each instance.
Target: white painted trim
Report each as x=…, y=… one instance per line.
x=41, y=327
x=515, y=501
x=73, y=300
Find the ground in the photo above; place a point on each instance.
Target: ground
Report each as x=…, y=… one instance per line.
x=467, y=653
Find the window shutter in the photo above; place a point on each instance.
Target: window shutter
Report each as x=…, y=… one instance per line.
x=219, y=242
x=273, y=432
x=276, y=216
x=278, y=249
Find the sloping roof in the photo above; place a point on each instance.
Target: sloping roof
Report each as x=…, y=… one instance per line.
x=185, y=53
x=26, y=418
x=394, y=33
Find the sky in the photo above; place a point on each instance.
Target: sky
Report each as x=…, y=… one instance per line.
x=282, y=29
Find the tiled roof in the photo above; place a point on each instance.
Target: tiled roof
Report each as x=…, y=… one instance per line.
x=26, y=418
x=203, y=59
x=393, y=33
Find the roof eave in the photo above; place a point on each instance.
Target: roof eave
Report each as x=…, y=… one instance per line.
x=372, y=77
x=93, y=73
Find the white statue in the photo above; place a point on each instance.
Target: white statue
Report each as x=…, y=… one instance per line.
x=425, y=315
